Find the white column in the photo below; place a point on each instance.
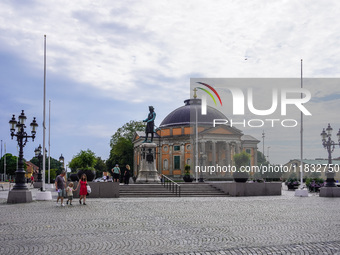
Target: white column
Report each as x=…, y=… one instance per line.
x=227, y=153
x=182, y=157
x=171, y=159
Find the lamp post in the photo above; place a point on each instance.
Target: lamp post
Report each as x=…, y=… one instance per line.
x=61, y=160
x=39, y=156
x=22, y=138
x=263, y=136
x=268, y=153
x=329, y=144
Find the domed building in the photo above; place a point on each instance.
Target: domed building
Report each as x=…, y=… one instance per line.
x=176, y=142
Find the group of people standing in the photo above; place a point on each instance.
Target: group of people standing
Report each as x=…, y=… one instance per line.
x=63, y=191
x=117, y=173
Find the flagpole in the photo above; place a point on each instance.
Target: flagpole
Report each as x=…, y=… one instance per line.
x=301, y=137
x=49, y=143
x=45, y=195
x=5, y=166
x=44, y=119
x=196, y=135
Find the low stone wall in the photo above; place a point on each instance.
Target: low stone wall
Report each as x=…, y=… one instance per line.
x=100, y=190
x=329, y=192
x=237, y=189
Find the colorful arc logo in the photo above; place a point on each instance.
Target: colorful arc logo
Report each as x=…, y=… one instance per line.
x=209, y=93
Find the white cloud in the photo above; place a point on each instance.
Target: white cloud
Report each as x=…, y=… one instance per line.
x=142, y=51
x=108, y=44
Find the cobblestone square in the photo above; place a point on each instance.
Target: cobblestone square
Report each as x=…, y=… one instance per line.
x=222, y=225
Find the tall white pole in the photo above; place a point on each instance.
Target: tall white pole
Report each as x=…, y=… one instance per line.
x=5, y=162
x=3, y=178
x=196, y=132
x=301, y=138
x=196, y=144
x=49, y=142
x=263, y=136
x=18, y=158
x=44, y=118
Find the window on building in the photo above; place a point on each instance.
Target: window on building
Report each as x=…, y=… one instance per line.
x=177, y=148
x=248, y=151
x=177, y=162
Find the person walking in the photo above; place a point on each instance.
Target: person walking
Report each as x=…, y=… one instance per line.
x=116, y=173
x=83, y=188
x=127, y=175
x=60, y=186
x=32, y=180
x=69, y=193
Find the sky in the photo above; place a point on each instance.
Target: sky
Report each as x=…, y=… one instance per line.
x=107, y=61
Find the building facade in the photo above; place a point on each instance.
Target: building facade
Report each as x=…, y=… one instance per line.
x=186, y=137
x=31, y=170
x=312, y=168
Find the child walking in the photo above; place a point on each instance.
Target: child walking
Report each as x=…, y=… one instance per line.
x=69, y=193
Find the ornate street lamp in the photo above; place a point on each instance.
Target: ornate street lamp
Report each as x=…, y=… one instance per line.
x=22, y=138
x=329, y=144
x=39, y=156
x=61, y=160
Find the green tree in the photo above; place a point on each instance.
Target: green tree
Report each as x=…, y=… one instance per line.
x=241, y=159
x=122, y=152
x=127, y=131
x=121, y=144
x=268, y=175
x=100, y=166
x=261, y=159
x=53, y=175
x=11, y=164
x=54, y=164
x=83, y=160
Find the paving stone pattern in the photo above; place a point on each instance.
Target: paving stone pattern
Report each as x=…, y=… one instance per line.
x=198, y=226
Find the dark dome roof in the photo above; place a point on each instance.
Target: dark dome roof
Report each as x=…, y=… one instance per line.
x=182, y=115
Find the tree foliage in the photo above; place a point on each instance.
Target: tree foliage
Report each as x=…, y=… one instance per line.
x=53, y=175
x=11, y=164
x=261, y=159
x=54, y=164
x=121, y=153
x=83, y=160
x=127, y=131
x=121, y=144
x=241, y=159
x=100, y=166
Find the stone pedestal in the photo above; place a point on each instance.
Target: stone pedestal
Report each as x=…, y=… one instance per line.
x=301, y=193
x=19, y=196
x=148, y=171
x=43, y=195
x=49, y=186
x=329, y=192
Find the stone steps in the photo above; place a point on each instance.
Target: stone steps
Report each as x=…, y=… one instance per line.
x=200, y=190
x=158, y=190
x=144, y=190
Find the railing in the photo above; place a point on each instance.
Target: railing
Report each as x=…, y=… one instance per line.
x=174, y=187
